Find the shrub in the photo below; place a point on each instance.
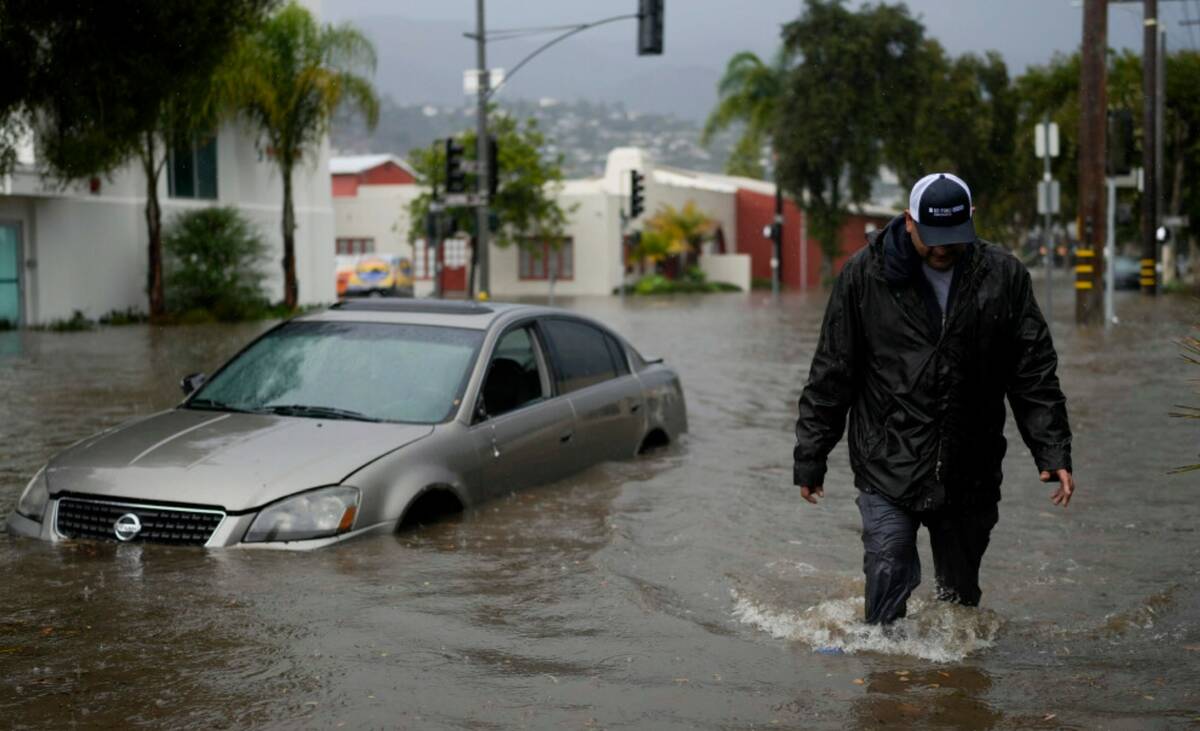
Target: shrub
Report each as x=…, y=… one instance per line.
x=78, y=322
x=130, y=316
x=213, y=260
x=691, y=283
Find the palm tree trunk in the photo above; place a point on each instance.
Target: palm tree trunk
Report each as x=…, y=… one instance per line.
x=154, y=273
x=290, y=288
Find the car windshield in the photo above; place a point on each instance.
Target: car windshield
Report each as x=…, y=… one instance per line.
x=348, y=370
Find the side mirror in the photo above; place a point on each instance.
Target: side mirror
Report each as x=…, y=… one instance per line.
x=191, y=382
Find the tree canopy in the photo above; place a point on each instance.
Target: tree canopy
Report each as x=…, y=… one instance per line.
x=91, y=78
x=288, y=77
x=525, y=205
x=847, y=100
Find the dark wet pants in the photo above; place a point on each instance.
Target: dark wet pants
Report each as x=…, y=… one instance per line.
x=958, y=536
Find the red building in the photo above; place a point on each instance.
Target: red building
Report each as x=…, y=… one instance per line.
x=801, y=258
x=350, y=172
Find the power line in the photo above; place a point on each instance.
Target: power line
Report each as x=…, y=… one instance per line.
x=1190, y=25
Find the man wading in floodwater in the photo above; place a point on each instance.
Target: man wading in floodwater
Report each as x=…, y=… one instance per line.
x=927, y=330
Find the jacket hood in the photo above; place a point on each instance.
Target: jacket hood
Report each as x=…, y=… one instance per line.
x=900, y=260
x=235, y=461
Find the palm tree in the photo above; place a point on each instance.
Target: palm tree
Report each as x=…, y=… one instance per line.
x=684, y=229
x=288, y=77
x=651, y=246
x=749, y=93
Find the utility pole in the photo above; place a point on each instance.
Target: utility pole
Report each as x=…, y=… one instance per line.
x=1149, y=278
x=1093, y=106
x=1048, y=202
x=777, y=241
x=1160, y=99
x=481, y=155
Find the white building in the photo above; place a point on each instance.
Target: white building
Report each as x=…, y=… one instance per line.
x=372, y=195
x=85, y=248
x=590, y=262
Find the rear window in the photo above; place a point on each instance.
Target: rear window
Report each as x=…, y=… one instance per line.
x=582, y=354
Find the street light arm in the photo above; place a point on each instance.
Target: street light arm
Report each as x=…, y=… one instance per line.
x=555, y=40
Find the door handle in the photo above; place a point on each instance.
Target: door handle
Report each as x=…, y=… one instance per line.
x=566, y=436
x=636, y=407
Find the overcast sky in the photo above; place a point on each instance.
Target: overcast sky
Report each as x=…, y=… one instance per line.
x=700, y=36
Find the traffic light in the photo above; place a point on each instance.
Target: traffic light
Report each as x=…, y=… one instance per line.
x=493, y=167
x=650, y=28
x=456, y=177
x=637, y=197
x=1120, y=142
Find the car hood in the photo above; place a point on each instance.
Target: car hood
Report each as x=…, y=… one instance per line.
x=235, y=461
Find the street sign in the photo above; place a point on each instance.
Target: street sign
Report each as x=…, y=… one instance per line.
x=1048, y=197
x=1046, y=136
x=463, y=200
x=1175, y=221
x=495, y=78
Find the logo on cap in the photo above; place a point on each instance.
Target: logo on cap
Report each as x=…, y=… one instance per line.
x=940, y=204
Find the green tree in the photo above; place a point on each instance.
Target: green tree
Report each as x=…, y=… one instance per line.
x=288, y=77
x=213, y=264
x=844, y=102
x=651, y=246
x=1182, y=143
x=100, y=84
x=91, y=78
x=192, y=111
x=748, y=94
x=526, y=208
x=965, y=121
x=684, y=230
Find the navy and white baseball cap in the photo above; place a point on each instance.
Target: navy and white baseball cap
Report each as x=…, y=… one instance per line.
x=941, y=205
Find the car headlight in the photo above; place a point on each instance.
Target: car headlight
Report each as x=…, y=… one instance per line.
x=33, y=501
x=319, y=513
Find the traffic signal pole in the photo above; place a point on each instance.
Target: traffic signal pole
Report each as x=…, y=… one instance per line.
x=481, y=142
x=649, y=43
x=1093, y=106
x=1149, y=278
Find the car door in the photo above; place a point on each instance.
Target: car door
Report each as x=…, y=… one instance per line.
x=524, y=435
x=592, y=370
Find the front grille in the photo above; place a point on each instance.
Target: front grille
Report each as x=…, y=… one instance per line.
x=97, y=520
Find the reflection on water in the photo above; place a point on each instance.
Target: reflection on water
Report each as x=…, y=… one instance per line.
x=687, y=589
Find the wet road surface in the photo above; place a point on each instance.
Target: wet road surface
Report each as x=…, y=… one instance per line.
x=688, y=589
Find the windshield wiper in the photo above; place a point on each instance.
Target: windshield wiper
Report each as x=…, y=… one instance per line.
x=317, y=412
x=207, y=404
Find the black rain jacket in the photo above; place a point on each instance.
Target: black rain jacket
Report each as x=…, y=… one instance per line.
x=925, y=392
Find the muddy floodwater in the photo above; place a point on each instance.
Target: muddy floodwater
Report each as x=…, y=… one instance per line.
x=689, y=589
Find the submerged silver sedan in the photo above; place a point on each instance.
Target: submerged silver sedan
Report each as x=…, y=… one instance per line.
x=362, y=418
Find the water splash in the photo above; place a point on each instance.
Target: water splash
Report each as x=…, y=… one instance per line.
x=935, y=631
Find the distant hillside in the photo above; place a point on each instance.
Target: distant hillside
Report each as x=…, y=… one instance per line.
x=582, y=131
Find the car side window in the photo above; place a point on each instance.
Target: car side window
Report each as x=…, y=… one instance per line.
x=514, y=377
x=582, y=354
x=618, y=354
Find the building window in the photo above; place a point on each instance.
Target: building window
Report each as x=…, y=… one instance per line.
x=355, y=246
x=538, y=260
x=192, y=170
x=456, y=253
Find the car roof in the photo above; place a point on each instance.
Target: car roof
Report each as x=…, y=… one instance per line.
x=445, y=313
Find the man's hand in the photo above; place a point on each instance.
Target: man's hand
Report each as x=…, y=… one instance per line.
x=1066, y=486
x=812, y=493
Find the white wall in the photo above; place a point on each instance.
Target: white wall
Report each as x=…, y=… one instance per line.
x=594, y=226
x=729, y=268
x=87, y=251
x=377, y=212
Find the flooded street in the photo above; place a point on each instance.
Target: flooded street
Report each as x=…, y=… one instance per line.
x=691, y=588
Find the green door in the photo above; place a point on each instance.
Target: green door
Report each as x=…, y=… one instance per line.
x=10, y=273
